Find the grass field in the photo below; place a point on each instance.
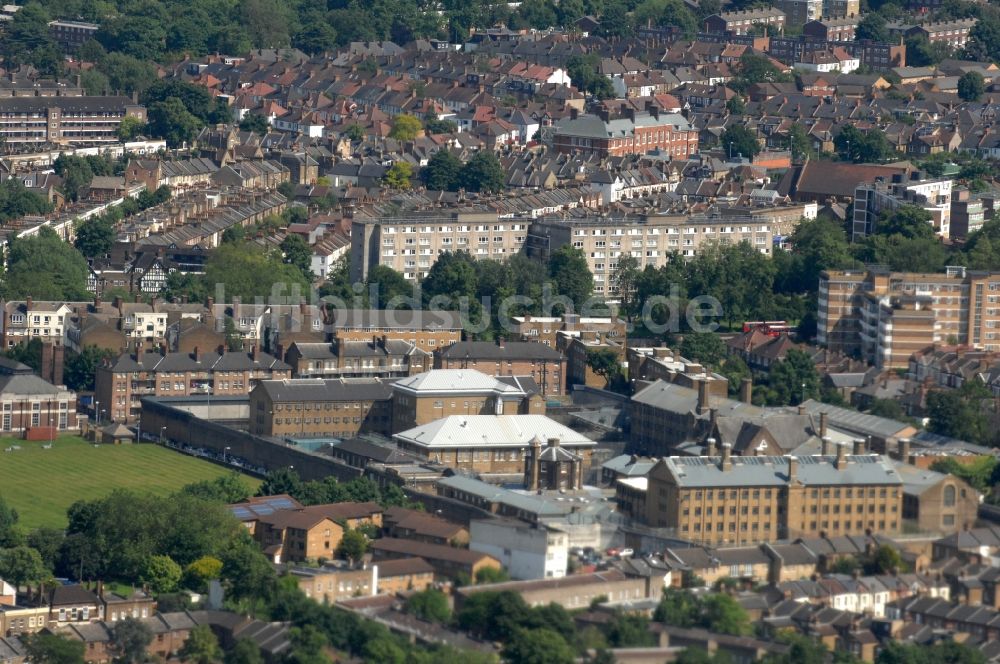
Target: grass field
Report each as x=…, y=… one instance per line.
x=40, y=484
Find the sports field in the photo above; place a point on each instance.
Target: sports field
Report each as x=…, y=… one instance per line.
x=41, y=483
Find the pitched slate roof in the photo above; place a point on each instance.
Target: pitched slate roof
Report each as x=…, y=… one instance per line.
x=318, y=389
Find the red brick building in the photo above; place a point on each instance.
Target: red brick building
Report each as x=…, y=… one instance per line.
x=633, y=133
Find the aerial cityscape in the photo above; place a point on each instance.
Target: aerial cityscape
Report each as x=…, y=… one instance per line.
x=484, y=332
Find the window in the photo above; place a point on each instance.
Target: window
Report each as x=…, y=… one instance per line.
x=949, y=496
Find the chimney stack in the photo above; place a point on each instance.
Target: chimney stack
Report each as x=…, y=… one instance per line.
x=825, y=446
x=801, y=409
x=727, y=456
x=702, y=396
x=822, y=424
x=793, y=467
x=28, y=302
x=533, y=470
x=903, y=447
x=746, y=390
x=710, y=449
x=841, y=456
x=195, y=355
x=859, y=446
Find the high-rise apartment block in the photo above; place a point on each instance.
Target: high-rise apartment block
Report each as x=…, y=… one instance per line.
x=884, y=317
x=872, y=199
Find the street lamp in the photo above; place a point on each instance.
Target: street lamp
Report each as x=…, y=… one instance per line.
x=730, y=150
x=225, y=455
x=163, y=431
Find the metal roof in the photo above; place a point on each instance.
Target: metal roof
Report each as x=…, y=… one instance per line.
x=866, y=469
x=491, y=431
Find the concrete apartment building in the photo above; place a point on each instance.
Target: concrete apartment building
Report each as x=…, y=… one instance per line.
x=748, y=499
x=651, y=240
x=887, y=316
x=65, y=120
x=545, y=329
x=740, y=22
x=318, y=408
x=424, y=329
x=411, y=245
x=527, y=551
x=438, y=393
x=379, y=357
x=968, y=213
x=829, y=29
x=71, y=35
x=544, y=365
x=121, y=383
x=329, y=584
x=953, y=33
x=871, y=199
x=799, y=12
x=489, y=444
x=634, y=133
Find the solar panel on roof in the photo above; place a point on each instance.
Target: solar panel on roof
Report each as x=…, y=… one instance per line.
x=263, y=510
x=241, y=513
x=282, y=503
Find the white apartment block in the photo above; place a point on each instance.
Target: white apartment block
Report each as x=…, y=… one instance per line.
x=526, y=551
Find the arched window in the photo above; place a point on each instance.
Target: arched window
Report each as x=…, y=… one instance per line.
x=949, y=496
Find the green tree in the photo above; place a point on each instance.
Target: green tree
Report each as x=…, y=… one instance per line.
x=571, y=275
x=127, y=74
x=170, y=120
x=95, y=237
x=430, y=605
x=885, y=561
x=201, y=646
x=227, y=489
x=706, y=348
x=200, y=572
x=405, y=127
x=442, y=171
x=46, y=268
x=244, y=651
x=280, y=481
x=247, y=573
x=979, y=474
x=723, y=615
x=818, y=244
x=737, y=140
x=482, y=173
x=130, y=127
x=9, y=536
x=971, y=86
x=256, y=123
x=625, y=281
x=863, y=147
x=46, y=541
x=584, y=72
x=298, y=253
x=27, y=40
x=615, y=21
x=958, y=413
x=162, y=574
x=22, y=565
x=398, y=176
x=538, y=646
x=316, y=37
x=605, y=363
x=677, y=607
x=48, y=648
x=129, y=639
x=872, y=26
x=16, y=201
x=250, y=272
x=353, y=545
x=76, y=175
x=793, y=380
x=736, y=106
x=388, y=286
x=81, y=367
x=491, y=575
x=799, y=142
